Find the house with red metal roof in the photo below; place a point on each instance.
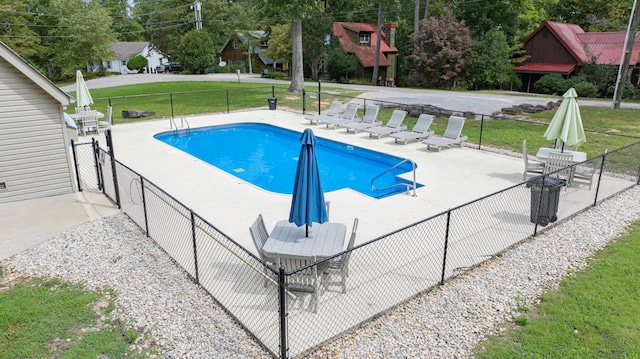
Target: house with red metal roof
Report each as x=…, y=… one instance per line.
x=556, y=47
x=360, y=39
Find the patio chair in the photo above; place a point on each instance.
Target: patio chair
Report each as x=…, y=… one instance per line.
x=394, y=125
x=259, y=234
x=559, y=165
x=452, y=135
x=349, y=114
x=585, y=174
x=89, y=122
x=370, y=119
x=340, y=265
x=106, y=124
x=420, y=130
x=533, y=167
x=305, y=280
x=334, y=111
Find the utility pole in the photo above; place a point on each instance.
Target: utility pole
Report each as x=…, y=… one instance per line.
x=630, y=38
x=416, y=16
x=376, y=65
x=197, y=6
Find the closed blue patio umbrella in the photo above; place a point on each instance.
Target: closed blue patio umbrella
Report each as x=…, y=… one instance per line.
x=307, y=203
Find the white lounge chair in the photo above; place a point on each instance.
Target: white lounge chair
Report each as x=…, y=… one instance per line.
x=370, y=119
x=422, y=129
x=394, y=125
x=349, y=114
x=534, y=167
x=333, y=111
x=452, y=135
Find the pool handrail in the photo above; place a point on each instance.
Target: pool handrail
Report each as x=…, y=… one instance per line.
x=407, y=185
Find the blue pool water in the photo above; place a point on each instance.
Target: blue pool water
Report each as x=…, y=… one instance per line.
x=267, y=157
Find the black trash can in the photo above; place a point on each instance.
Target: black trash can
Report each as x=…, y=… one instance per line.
x=550, y=192
x=272, y=103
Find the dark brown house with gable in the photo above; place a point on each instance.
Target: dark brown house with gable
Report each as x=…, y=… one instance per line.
x=556, y=47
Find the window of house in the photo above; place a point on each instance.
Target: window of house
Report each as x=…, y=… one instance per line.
x=365, y=38
x=264, y=43
x=234, y=44
x=124, y=62
x=109, y=64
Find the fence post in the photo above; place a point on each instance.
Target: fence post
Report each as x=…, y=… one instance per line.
x=319, y=111
x=283, y=314
x=107, y=135
x=604, y=157
x=77, y=166
x=481, y=127
x=273, y=91
x=304, y=102
x=227, y=100
x=144, y=206
x=96, y=160
x=195, y=250
x=446, y=245
x=171, y=102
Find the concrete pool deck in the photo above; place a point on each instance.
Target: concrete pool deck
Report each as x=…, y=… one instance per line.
x=451, y=177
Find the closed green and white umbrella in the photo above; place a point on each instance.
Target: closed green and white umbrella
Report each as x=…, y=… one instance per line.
x=566, y=124
x=83, y=96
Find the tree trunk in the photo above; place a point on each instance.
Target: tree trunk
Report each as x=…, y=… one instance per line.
x=376, y=65
x=297, y=75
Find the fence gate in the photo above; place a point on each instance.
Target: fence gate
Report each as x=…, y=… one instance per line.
x=93, y=165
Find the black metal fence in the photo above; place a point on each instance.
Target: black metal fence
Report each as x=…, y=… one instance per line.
x=382, y=272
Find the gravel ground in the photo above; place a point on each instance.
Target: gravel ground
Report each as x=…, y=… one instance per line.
x=447, y=322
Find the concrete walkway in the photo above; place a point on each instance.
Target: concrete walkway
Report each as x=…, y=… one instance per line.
x=26, y=223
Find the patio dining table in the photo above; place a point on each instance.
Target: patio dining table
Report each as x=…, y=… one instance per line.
x=77, y=116
x=324, y=239
x=543, y=154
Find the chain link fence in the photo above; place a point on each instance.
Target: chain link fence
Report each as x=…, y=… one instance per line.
x=381, y=273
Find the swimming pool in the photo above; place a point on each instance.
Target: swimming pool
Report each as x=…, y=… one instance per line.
x=267, y=155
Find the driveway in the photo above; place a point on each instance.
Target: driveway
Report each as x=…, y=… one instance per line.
x=480, y=103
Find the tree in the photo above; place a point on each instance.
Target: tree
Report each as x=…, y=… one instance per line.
x=438, y=51
x=82, y=37
x=490, y=62
x=196, y=51
x=294, y=11
x=16, y=32
x=593, y=15
x=279, y=43
x=342, y=66
x=314, y=36
x=124, y=25
x=137, y=62
x=482, y=16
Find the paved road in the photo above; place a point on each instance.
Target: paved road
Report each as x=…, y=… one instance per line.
x=479, y=103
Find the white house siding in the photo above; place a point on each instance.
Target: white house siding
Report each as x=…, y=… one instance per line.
x=33, y=154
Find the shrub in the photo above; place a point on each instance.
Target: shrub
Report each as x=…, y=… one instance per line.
x=137, y=62
x=627, y=91
x=273, y=75
x=586, y=89
x=551, y=84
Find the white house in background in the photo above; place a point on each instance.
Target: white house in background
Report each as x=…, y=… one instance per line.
x=126, y=50
x=34, y=158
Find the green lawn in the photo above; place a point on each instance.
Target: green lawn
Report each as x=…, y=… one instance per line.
x=43, y=318
x=594, y=313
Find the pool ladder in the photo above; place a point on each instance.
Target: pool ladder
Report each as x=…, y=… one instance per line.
x=407, y=185
x=183, y=120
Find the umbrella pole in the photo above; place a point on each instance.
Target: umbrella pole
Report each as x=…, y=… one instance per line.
x=306, y=228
